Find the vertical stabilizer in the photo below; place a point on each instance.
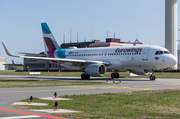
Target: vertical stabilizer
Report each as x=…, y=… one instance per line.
x=49, y=40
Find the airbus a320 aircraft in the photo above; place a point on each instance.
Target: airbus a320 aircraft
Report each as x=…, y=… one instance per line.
x=95, y=61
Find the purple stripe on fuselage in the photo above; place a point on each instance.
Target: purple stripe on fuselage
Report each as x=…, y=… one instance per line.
x=49, y=44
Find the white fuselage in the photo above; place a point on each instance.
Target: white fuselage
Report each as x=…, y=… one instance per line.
x=124, y=57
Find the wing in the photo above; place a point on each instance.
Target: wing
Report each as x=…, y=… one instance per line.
x=59, y=59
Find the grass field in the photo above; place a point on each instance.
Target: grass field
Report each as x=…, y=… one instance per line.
x=174, y=75
x=163, y=104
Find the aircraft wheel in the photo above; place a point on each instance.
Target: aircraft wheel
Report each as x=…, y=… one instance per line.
x=87, y=76
x=152, y=77
x=83, y=76
x=113, y=75
x=117, y=75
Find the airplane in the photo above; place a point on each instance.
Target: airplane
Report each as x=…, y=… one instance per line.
x=138, y=59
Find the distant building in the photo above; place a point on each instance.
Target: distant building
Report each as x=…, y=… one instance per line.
x=44, y=65
x=40, y=65
x=178, y=57
x=110, y=42
x=2, y=61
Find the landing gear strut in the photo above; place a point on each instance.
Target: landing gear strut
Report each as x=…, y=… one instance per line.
x=85, y=76
x=152, y=77
x=114, y=75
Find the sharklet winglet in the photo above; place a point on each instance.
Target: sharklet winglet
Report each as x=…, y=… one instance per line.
x=7, y=52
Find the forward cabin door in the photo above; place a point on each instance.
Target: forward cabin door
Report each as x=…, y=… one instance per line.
x=145, y=53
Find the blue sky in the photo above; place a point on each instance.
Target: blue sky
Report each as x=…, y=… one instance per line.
x=20, y=24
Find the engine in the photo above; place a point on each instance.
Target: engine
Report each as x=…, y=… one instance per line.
x=96, y=70
x=140, y=71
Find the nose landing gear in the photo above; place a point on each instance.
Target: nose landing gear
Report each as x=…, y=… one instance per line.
x=114, y=75
x=152, y=77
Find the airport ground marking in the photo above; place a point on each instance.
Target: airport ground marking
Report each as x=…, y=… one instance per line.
x=46, y=116
x=81, y=88
x=37, y=91
x=114, y=87
x=19, y=117
x=157, y=85
x=93, y=87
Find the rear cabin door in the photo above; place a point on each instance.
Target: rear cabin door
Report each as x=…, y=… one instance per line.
x=145, y=53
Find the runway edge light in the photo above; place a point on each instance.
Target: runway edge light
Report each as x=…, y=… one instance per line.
x=31, y=100
x=56, y=106
x=119, y=82
x=113, y=82
x=55, y=95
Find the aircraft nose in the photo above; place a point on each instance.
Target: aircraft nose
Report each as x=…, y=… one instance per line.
x=173, y=60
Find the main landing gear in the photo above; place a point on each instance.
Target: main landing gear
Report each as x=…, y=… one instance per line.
x=114, y=75
x=85, y=76
x=152, y=77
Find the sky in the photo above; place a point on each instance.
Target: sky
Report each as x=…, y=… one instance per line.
x=20, y=23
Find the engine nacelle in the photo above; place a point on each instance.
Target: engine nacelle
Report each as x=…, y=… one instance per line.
x=140, y=71
x=96, y=70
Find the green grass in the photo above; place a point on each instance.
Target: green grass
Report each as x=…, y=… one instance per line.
x=143, y=105
x=12, y=83
x=174, y=75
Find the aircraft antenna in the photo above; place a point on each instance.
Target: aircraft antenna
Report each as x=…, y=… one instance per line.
x=70, y=35
x=92, y=34
x=77, y=36
x=107, y=34
x=64, y=38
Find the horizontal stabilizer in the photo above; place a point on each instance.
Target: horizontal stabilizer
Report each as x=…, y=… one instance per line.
x=33, y=54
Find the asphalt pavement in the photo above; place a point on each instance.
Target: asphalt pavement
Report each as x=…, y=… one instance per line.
x=10, y=95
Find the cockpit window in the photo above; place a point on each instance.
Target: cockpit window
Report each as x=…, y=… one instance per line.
x=162, y=52
x=157, y=52
x=166, y=52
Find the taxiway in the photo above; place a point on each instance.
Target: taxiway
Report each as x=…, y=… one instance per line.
x=10, y=95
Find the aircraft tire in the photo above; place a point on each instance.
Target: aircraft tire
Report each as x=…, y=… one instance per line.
x=87, y=76
x=116, y=75
x=152, y=77
x=113, y=75
x=83, y=76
